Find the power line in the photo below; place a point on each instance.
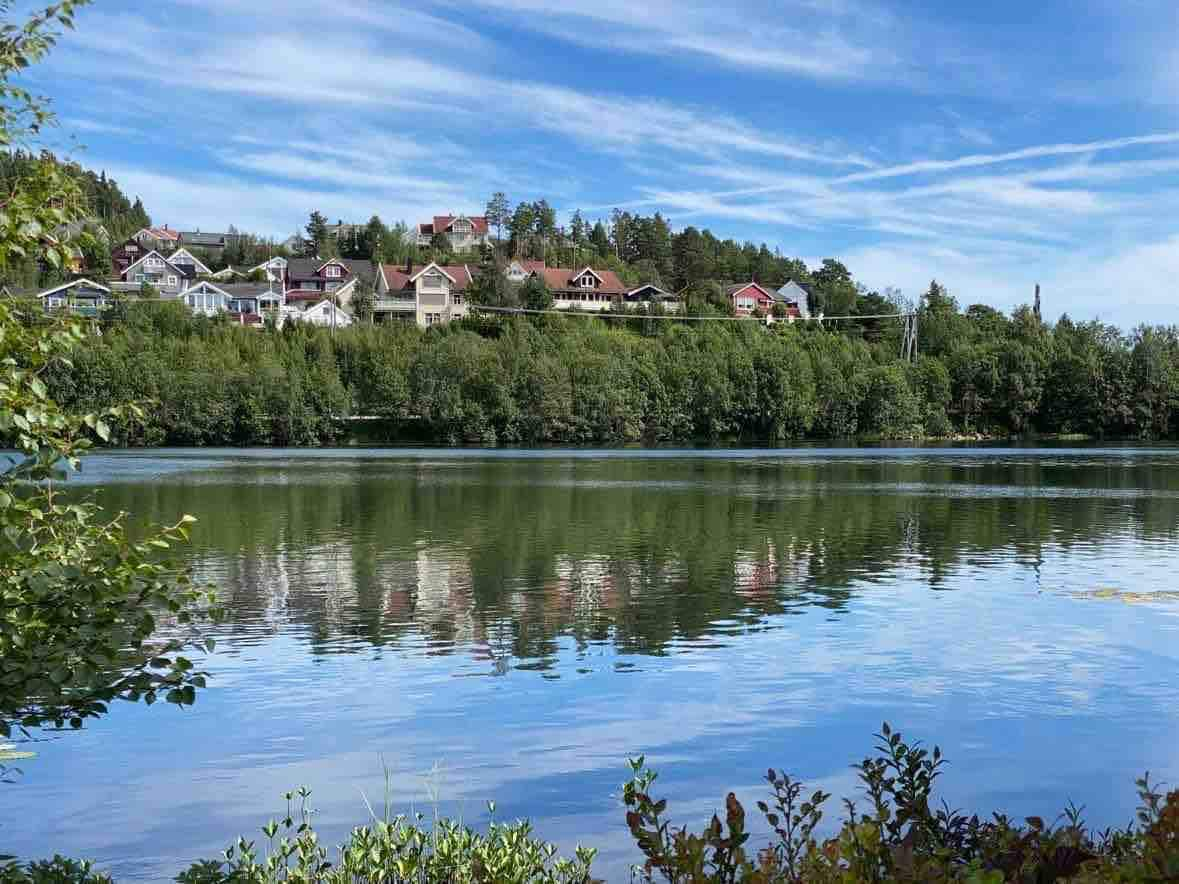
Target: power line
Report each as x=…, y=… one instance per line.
x=606, y=314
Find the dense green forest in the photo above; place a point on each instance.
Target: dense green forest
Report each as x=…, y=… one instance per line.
x=583, y=379
x=109, y=216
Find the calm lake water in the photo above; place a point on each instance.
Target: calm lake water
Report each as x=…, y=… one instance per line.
x=512, y=625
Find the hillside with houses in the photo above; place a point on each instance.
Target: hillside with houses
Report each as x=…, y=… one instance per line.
x=434, y=272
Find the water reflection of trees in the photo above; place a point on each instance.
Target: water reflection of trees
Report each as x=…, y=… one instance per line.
x=516, y=557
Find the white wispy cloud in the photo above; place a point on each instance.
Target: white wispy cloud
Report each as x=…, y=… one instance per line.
x=291, y=67
x=80, y=124
x=410, y=111
x=836, y=41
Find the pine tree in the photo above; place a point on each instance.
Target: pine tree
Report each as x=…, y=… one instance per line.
x=600, y=239
x=317, y=234
x=498, y=213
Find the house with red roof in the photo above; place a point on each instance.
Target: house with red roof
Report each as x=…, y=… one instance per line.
x=518, y=270
x=427, y=295
x=463, y=231
x=584, y=289
x=161, y=239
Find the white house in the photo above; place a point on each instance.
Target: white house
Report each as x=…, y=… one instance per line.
x=795, y=294
x=184, y=258
x=518, y=270
x=275, y=269
x=324, y=313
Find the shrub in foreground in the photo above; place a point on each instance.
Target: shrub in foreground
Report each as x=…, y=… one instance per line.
x=395, y=850
x=895, y=834
x=899, y=835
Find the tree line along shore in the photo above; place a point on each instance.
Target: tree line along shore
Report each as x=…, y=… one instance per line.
x=491, y=379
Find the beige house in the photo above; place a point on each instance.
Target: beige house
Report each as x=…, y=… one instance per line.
x=429, y=295
x=461, y=231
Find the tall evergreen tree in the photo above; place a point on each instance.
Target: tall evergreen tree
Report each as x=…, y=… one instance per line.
x=600, y=239
x=317, y=235
x=498, y=213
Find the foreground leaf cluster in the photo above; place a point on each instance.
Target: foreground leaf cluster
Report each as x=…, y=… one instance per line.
x=87, y=613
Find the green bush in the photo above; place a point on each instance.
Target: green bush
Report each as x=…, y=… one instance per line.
x=394, y=850
x=897, y=833
x=900, y=837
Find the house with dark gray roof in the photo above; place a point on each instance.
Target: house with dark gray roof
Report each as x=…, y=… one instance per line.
x=310, y=279
x=245, y=302
x=157, y=271
x=213, y=243
x=80, y=296
x=796, y=295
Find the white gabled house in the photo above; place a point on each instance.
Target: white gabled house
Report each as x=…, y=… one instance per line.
x=325, y=313
x=518, y=271
x=157, y=271
x=275, y=269
x=186, y=259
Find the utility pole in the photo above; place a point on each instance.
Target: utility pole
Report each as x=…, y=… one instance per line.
x=909, y=338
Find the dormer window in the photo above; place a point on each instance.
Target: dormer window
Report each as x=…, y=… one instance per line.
x=332, y=270
x=461, y=226
x=434, y=282
x=589, y=281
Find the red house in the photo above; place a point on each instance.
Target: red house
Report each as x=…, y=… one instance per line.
x=749, y=298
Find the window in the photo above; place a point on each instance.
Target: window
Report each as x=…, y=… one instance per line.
x=433, y=318
x=332, y=271
x=132, y=250
x=309, y=285
x=331, y=286
x=458, y=298
x=172, y=280
x=434, y=282
x=153, y=262
x=588, y=281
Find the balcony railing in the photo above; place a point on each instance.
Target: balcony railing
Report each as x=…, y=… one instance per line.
x=395, y=305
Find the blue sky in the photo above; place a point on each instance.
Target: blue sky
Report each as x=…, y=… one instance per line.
x=991, y=145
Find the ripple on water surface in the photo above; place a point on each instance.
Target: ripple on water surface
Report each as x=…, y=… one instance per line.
x=513, y=625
